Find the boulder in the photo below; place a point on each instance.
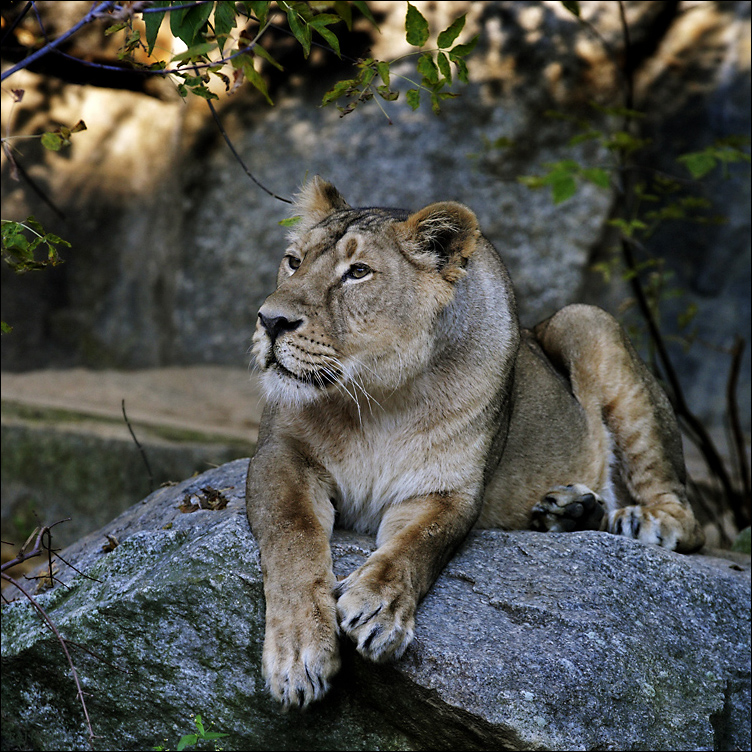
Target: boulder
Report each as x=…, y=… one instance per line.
x=527, y=641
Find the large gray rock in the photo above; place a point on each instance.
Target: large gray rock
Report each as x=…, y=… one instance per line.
x=527, y=641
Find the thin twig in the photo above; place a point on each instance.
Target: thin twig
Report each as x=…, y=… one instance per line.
x=40, y=53
x=238, y=157
x=17, y=21
x=52, y=626
x=741, y=510
x=34, y=187
x=140, y=449
x=695, y=429
x=43, y=543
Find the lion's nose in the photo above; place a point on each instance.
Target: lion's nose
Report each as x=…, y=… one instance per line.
x=275, y=325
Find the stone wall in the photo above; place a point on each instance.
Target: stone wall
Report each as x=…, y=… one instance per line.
x=174, y=248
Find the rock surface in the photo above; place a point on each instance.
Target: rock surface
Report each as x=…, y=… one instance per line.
x=68, y=453
x=174, y=249
x=527, y=641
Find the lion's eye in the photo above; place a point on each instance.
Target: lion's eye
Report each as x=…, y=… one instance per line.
x=358, y=271
x=293, y=262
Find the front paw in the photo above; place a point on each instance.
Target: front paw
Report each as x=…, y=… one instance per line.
x=668, y=524
x=377, y=614
x=301, y=654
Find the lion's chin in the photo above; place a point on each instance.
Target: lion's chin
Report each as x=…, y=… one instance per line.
x=281, y=388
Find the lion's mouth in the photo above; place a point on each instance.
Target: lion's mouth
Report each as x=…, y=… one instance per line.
x=320, y=378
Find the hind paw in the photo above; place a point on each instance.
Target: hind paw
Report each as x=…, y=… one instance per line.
x=568, y=508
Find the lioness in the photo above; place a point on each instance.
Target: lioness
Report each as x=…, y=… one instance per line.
x=404, y=398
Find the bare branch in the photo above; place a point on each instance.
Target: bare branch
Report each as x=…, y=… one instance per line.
x=238, y=157
x=42, y=543
x=98, y=10
x=741, y=509
x=140, y=449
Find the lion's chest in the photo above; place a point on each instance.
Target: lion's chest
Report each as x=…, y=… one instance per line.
x=386, y=462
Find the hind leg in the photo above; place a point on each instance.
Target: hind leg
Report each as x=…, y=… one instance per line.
x=565, y=509
x=621, y=397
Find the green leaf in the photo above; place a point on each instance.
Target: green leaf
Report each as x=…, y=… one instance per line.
x=337, y=91
x=255, y=78
x=52, y=141
x=114, y=29
x=329, y=36
x=6, y=329
x=34, y=225
x=582, y=137
x=224, y=21
x=685, y=318
x=260, y=10
x=427, y=68
x=627, y=227
x=366, y=11
x=413, y=98
x=598, y=176
x=343, y=10
x=463, y=50
x=383, y=69
x=698, y=163
x=386, y=93
x=462, y=71
x=572, y=6
x=300, y=30
x=563, y=187
x=198, y=50
x=626, y=142
x=324, y=19
x=189, y=740
x=447, y=37
x=190, y=23
x=202, y=91
x=443, y=62
x=367, y=74
x=199, y=725
x=742, y=542
x=261, y=52
x=416, y=27
x=503, y=142
x=153, y=21
x=290, y=221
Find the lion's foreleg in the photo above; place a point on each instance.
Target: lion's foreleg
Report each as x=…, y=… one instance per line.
x=377, y=603
x=291, y=519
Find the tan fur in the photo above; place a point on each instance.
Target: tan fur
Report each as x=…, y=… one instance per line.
x=403, y=396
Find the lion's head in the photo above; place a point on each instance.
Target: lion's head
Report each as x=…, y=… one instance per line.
x=359, y=296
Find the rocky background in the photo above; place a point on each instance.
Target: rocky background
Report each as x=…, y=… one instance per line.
x=174, y=248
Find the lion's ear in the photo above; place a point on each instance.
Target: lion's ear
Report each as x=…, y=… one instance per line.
x=316, y=200
x=444, y=234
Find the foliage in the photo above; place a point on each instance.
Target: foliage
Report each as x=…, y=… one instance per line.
x=647, y=200
x=191, y=740
x=435, y=72
x=20, y=240
x=210, y=32
x=18, y=248
x=208, y=29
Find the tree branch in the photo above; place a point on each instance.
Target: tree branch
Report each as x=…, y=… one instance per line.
x=87, y=19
